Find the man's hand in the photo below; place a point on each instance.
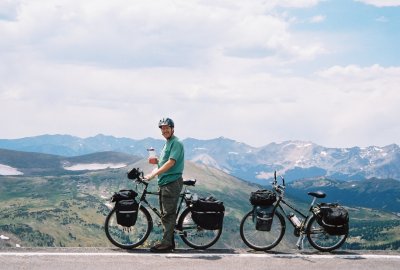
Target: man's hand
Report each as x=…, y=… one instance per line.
x=149, y=176
x=168, y=165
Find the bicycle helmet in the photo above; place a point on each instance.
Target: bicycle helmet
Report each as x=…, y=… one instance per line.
x=166, y=122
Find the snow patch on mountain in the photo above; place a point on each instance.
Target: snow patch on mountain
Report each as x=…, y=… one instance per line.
x=94, y=166
x=206, y=160
x=264, y=175
x=7, y=170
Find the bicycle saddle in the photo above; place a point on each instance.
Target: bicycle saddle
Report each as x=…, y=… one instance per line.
x=318, y=194
x=189, y=182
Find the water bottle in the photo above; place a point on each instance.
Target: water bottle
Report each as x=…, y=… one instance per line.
x=295, y=220
x=152, y=156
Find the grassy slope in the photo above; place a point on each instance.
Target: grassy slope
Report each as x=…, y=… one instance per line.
x=70, y=210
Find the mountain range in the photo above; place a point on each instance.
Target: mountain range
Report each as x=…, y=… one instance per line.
x=294, y=159
x=372, y=193
x=54, y=200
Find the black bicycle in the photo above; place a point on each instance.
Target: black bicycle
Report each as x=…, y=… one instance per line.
x=133, y=236
x=319, y=235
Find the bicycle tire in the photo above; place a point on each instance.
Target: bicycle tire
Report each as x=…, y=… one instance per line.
x=320, y=239
x=262, y=240
x=193, y=235
x=128, y=237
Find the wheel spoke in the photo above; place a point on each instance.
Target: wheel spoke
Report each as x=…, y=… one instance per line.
x=195, y=236
x=320, y=239
x=262, y=240
x=128, y=237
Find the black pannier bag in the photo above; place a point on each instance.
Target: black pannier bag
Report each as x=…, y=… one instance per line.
x=124, y=194
x=127, y=211
x=333, y=217
x=208, y=213
x=262, y=217
x=262, y=197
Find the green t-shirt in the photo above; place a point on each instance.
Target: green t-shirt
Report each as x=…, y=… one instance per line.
x=173, y=149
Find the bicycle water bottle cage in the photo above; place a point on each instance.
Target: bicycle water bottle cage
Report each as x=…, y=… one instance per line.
x=318, y=194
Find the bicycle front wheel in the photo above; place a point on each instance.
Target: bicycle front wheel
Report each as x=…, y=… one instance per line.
x=193, y=235
x=128, y=237
x=262, y=240
x=320, y=239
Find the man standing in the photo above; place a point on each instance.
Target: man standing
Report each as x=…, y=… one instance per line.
x=169, y=172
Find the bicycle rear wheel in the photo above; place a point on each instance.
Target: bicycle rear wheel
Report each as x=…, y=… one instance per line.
x=193, y=235
x=262, y=240
x=320, y=239
x=128, y=237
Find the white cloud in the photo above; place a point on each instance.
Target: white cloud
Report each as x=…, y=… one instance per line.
x=381, y=3
x=8, y=9
x=382, y=19
x=219, y=68
x=296, y=3
x=317, y=19
x=365, y=101
x=357, y=73
x=136, y=34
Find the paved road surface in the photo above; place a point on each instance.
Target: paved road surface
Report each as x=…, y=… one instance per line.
x=109, y=258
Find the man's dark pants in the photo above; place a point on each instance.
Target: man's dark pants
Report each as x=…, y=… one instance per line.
x=169, y=196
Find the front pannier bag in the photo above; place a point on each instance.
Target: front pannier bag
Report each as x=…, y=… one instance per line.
x=262, y=197
x=124, y=194
x=262, y=216
x=333, y=217
x=127, y=211
x=208, y=213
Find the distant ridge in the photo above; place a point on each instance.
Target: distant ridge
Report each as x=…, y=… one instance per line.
x=29, y=163
x=295, y=159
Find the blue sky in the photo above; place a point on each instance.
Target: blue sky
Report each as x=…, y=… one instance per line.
x=325, y=71
x=372, y=30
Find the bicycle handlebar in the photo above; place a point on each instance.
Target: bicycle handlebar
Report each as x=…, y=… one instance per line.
x=142, y=181
x=276, y=186
x=137, y=175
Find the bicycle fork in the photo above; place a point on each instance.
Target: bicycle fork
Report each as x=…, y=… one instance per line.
x=300, y=241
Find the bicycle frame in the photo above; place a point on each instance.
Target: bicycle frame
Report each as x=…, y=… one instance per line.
x=278, y=205
x=299, y=230
x=280, y=190
x=156, y=210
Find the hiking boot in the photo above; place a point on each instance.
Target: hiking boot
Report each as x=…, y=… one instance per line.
x=162, y=248
x=173, y=244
